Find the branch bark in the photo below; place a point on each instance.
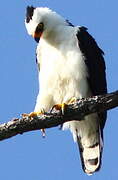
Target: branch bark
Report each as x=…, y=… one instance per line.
x=74, y=111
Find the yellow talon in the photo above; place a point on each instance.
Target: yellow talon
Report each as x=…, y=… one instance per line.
x=34, y=114
x=60, y=107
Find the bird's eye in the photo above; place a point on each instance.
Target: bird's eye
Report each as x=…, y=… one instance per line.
x=40, y=27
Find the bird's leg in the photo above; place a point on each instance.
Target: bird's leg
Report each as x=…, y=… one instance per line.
x=63, y=106
x=34, y=114
x=60, y=107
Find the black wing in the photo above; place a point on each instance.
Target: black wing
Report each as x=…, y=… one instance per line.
x=95, y=64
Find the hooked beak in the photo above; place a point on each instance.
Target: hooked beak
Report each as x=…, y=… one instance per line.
x=38, y=32
x=37, y=36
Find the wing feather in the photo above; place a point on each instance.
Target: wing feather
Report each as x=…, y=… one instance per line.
x=95, y=63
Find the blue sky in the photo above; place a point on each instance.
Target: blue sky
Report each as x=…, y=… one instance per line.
x=29, y=156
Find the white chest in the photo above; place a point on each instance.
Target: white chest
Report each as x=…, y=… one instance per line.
x=63, y=72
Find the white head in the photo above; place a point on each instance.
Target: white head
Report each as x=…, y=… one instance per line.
x=42, y=20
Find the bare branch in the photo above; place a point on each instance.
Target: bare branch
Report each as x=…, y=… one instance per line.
x=75, y=111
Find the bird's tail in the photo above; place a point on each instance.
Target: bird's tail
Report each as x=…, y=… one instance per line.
x=89, y=139
x=90, y=156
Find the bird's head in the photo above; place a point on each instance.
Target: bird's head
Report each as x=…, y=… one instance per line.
x=41, y=21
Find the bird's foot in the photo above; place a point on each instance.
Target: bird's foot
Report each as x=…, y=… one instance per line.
x=35, y=114
x=63, y=106
x=60, y=107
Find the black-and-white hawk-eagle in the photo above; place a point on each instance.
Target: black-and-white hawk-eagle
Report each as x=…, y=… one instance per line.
x=71, y=66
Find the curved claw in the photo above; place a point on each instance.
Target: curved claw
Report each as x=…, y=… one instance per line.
x=60, y=107
x=34, y=114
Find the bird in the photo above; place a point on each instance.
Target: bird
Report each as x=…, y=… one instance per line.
x=71, y=66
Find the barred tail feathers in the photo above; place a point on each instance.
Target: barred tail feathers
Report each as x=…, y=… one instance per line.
x=90, y=154
x=90, y=157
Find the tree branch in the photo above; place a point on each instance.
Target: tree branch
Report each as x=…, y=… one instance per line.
x=75, y=111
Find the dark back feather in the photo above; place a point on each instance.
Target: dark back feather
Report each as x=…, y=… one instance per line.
x=95, y=64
